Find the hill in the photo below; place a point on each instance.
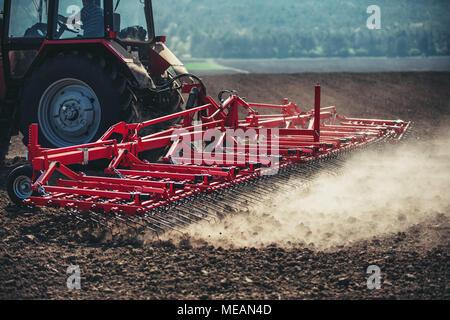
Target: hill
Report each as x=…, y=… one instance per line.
x=288, y=28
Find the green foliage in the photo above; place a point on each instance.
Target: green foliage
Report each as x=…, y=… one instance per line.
x=302, y=28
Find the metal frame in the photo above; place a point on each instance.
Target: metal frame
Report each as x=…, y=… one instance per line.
x=134, y=187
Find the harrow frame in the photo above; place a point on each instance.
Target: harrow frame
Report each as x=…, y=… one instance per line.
x=134, y=187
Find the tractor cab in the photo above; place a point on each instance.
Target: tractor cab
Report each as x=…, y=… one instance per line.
x=76, y=67
x=68, y=19
x=29, y=23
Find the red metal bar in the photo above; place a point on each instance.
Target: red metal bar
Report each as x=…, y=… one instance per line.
x=281, y=140
x=317, y=114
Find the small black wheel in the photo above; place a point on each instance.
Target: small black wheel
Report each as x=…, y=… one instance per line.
x=19, y=184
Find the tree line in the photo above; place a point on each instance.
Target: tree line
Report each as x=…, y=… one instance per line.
x=308, y=28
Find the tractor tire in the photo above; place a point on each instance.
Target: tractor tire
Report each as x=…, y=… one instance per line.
x=74, y=97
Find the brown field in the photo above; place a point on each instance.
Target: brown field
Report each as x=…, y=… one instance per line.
x=37, y=246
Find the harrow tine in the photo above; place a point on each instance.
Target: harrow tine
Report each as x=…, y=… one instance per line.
x=241, y=198
x=205, y=213
x=182, y=215
x=165, y=217
x=77, y=217
x=144, y=218
x=246, y=196
x=182, y=210
x=234, y=200
x=214, y=201
x=146, y=224
x=261, y=188
x=141, y=224
x=209, y=204
x=99, y=222
x=119, y=218
x=162, y=223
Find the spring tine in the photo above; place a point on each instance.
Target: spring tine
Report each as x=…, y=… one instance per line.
x=245, y=194
x=204, y=212
x=100, y=223
x=257, y=193
x=172, y=210
x=118, y=217
x=269, y=186
x=231, y=198
x=241, y=198
x=279, y=185
x=286, y=183
x=247, y=197
x=162, y=223
x=190, y=213
x=102, y=218
x=78, y=218
x=144, y=218
x=245, y=200
x=141, y=224
x=225, y=207
x=182, y=215
x=209, y=204
x=234, y=200
x=169, y=214
x=261, y=189
x=147, y=225
x=163, y=216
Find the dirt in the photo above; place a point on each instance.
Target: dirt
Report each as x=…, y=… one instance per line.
x=37, y=246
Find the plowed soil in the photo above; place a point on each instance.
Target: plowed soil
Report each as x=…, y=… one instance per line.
x=37, y=246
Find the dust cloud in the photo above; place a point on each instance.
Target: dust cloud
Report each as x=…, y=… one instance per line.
x=376, y=193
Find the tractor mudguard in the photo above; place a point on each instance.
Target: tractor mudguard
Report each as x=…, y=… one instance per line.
x=162, y=59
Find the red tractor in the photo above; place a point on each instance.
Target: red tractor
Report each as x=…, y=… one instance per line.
x=76, y=67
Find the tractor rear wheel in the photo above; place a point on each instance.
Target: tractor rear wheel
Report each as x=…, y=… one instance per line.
x=74, y=97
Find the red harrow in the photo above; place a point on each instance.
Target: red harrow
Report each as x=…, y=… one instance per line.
x=216, y=159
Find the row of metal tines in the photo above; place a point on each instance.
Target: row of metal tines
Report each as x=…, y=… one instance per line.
x=238, y=198
x=211, y=207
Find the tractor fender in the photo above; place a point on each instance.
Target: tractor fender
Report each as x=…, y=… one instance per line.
x=129, y=67
x=162, y=59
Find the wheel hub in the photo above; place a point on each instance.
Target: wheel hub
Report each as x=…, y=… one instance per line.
x=69, y=113
x=22, y=187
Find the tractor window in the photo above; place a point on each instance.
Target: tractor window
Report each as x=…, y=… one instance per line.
x=28, y=19
x=80, y=19
x=130, y=20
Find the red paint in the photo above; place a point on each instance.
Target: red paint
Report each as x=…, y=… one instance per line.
x=158, y=65
x=317, y=114
x=141, y=186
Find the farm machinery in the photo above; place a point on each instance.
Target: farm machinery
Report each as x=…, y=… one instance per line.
x=82, y=90
x=77, y=67
x=218, y=157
